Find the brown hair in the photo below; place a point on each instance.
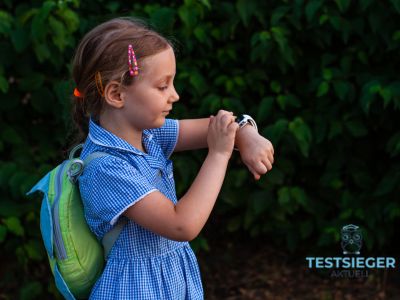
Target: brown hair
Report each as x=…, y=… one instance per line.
x=104, y=49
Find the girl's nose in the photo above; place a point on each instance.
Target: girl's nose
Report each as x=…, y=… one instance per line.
x=175, y=96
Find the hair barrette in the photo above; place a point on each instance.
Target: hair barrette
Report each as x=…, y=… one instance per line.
x=77, y=93
x=132, y=62
x=99, y=83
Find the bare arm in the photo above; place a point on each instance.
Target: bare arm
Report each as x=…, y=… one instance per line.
x=185, y=220
x=192, y=134
x=256, y=152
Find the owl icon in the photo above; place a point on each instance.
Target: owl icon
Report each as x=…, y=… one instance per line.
x=351, y=239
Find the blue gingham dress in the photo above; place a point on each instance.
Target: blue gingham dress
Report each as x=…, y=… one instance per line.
x=141, y=264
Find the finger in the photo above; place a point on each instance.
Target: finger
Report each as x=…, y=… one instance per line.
x=262, y=167
x=267, y=164
x=222, y=112
x=271, y=158
x=233, y=127
x=211, y=120
x=226, y=120
x=272, y=148
x=255, y=174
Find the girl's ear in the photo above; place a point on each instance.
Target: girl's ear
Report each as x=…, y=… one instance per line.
x=112, y=94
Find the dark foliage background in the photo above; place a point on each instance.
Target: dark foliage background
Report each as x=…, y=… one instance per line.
x=320, y=77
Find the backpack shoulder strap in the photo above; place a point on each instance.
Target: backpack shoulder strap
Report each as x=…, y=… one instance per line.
x=111, y=236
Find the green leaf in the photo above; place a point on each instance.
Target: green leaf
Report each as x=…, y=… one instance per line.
x=387, y=184
x=201, y=34
x=323, y=89
x=386, y=94
x=164, y=19
x=275, y=86
x=71, y=20
x=300, y=196
x=275, y=131
x=396, y=5
x=188, y=15
x=259, y=202
x=31, y=82
x=11, y=136
x=288, y=100
x=327, y=74
x=33, y=249
x=278, y=34
x=42, y=51
x=264, y=109
x=284, y=196
x=20, y=39
x=312, y=7
x=58, y=33
x=356, y=128
x=39, y=26
x=206, y=3
x=6, y=22
x=113, y=6
x=396, y=35
x=278, y=14
x=335, y=129
x=3, y=84
x=302, y=133
x=13, y=224
x=343, y=5
x=323, y=19
x=393, y=145
x=246, y=9
x=341, y=88
x=368, y=94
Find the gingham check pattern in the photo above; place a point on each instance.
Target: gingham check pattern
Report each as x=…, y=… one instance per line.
x=141, y=264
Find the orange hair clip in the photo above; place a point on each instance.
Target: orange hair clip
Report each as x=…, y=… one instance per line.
x=77, y=93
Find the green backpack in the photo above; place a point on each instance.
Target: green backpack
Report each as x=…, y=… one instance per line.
x=76, y=256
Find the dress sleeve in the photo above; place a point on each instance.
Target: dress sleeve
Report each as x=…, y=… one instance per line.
x=167, y=136
x=109, y=186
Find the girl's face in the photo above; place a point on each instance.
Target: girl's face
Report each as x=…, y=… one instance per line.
x=150, y=98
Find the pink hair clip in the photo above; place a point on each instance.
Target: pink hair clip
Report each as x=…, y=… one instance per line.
x=132, y=62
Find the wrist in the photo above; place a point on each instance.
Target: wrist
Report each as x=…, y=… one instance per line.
x=221, y=156
x=247, y=129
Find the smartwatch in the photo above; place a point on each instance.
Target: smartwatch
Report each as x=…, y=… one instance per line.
x=243, y=120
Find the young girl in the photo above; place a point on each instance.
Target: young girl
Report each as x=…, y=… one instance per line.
x=124, y=76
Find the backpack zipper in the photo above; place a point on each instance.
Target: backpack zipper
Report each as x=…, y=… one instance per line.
x=58, y=241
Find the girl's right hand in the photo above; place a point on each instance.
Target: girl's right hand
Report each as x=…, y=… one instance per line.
x=221, y=133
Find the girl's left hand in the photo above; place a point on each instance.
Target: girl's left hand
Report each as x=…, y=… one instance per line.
x=256, y=152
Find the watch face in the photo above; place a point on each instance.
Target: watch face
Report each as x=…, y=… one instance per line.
x=239, y=118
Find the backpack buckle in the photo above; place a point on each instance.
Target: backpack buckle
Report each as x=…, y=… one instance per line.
x=75, y=169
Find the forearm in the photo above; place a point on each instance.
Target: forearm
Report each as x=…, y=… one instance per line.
x=194, y=208
x=193, y=134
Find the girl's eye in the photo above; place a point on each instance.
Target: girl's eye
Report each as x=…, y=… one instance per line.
x=162, y=88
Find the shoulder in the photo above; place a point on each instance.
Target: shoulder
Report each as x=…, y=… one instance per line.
x=110, y=166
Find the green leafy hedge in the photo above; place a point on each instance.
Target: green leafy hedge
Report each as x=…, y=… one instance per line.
x=320, y=77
